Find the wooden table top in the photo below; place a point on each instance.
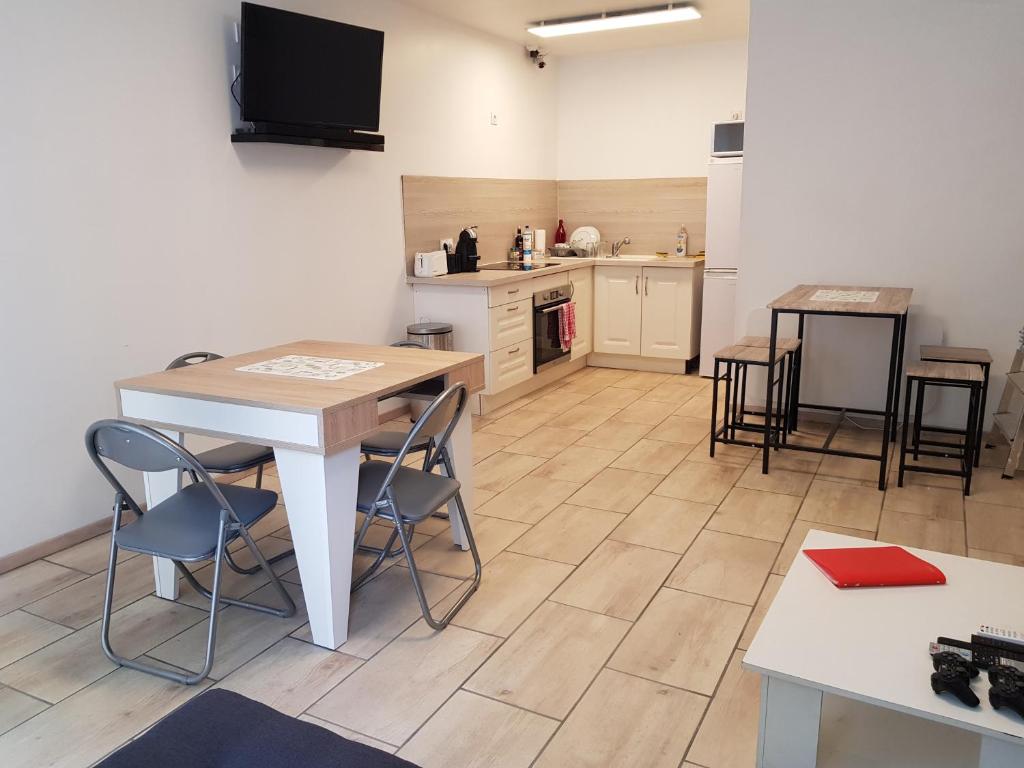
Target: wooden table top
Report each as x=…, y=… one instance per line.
x=890, y=301
x=402, y=368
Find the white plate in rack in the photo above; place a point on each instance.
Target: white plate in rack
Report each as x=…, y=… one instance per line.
x=584, y=236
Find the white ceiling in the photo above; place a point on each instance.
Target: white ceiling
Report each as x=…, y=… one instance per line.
x=722, y=20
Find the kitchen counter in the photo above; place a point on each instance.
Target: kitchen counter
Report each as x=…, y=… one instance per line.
x=492, y=277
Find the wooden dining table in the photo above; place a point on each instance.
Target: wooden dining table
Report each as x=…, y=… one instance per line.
x=315, y=426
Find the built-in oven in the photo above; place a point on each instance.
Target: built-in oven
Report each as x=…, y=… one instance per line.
x=547, y=341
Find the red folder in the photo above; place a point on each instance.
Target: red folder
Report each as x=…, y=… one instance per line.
x=874, y=567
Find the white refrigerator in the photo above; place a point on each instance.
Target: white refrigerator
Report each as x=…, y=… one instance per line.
x=722, y=259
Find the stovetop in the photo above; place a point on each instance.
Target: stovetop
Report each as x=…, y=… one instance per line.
x=516, y=266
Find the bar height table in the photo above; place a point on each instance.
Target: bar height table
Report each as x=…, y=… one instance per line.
x=840, y=301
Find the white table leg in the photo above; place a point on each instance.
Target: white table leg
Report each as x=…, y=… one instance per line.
x=320, y=496
x=790, y=716
x=160, y=486
x=999, y=753
x=461, y=448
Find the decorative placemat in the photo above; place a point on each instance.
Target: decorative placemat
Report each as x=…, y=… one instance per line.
x=307, y=367
x=860, y=297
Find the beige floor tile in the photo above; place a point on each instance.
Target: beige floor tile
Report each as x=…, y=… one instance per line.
x=798, y=533
x=681, y=429
x=480, y=497
x=550, y=660
x=291, y=675
x=82, y=602
x=512, y=587
x=740, y=455
x=517, y=423
x=996, y=557
x=492, y=534
x=988, y=486
x=375, y=700
x=577, y=464
x=16, y=708
x=675, y=393
x=276, y=519
x=798, y=461
x=351, y=735
x=617, y=490
x=728, y=736
x=568, y=534
x=725, y=566
x=643, y=379
x=72, y=663
x=698, y=407
x=545, y=441
x=233, y=584
x=22, y=633
x=618, y=579
x=703, y=483
x=914, y=479
x=654, y=456
x=587, y=385
x=758, y=514
x=625, y=720
x=558, y=401
x=33, y=581
x=90, y=556
x=242, y=635
x=664, y=523
x=498, y=472
x=771, y=588
x=614, y=397
x=487, y=443
x=649, y=412
x=683, y=640
x=583, y=417
x=995, y=527
x=850, y=506
x=475, y=732
x=947, y=503
x=776, y=481
x=933, y=533
x=843, y=467
x=995, y=457
x=614, y=435
x=528, y=500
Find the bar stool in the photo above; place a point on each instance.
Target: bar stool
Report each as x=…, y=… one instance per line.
x=736, y=359
x=959, y=375
x=790, y=347
x=975, y=355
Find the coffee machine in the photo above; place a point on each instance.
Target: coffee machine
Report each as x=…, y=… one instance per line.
x=465, y=257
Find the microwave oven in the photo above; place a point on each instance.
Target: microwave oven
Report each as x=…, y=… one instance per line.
x=727, y=139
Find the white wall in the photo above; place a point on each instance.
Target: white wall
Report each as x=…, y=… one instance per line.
x=131, y=230
x=646, y=113
x=883, y=147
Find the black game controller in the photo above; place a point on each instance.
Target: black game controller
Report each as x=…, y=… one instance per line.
x=953, y=673
x=1007, y=688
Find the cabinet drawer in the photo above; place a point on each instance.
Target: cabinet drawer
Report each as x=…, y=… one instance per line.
x=505, y=294
x=509, y=365
x=510, y=323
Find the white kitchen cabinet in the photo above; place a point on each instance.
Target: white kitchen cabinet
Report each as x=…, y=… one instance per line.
x=617, y=309
x=509, y=366
x=667, y=315
x=511, y=323
x=582, y=282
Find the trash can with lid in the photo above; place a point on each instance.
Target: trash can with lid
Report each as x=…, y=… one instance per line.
x=432, y=335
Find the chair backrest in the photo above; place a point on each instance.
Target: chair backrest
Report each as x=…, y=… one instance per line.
x=146, y=450
x=410, y=343
x=193, y=358
x=437, y=422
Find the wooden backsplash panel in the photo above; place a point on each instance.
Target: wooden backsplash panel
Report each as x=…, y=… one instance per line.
x=649, y=211
x=436, y=207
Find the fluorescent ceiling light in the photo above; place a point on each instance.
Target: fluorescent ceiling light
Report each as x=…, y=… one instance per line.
x=643, y=17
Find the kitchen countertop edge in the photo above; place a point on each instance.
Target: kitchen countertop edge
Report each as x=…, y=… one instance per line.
x=489, y=278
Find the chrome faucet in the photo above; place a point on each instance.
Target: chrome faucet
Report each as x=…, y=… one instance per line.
x=617, y=246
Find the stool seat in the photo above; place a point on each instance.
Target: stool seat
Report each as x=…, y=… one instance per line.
x=743, y=354
x=956, y=354
x=786, y=345
x=934, y=371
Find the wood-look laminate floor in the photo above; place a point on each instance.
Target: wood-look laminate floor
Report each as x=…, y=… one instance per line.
x=625, y=573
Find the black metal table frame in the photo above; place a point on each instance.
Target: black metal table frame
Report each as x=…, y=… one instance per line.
x=892, y=396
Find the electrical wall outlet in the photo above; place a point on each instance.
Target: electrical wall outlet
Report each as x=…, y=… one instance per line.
x=448, y=244
x=494, y=118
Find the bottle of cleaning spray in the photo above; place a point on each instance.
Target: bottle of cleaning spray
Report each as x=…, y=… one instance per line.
x=527, y=244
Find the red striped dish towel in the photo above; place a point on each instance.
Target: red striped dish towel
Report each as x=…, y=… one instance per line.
x=567, y=324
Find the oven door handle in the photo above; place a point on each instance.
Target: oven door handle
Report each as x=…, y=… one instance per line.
x=552, y=309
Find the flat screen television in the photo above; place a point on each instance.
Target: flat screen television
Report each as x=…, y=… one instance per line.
x=305, y=71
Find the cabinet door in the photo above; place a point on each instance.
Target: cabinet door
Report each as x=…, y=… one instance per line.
x=667, y=312
x=509, y=366
x=617, y=310
x=582, y=281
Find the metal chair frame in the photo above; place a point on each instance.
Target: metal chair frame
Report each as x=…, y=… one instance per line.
x=386, y=504
x=159, y=453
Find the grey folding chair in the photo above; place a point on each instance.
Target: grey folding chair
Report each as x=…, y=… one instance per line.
x=197, y=523
x=406, y=496
x=231, y=458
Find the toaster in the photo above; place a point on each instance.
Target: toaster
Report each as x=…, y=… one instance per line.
x=430, y=264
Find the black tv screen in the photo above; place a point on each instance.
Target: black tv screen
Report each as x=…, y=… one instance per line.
x=302, y=70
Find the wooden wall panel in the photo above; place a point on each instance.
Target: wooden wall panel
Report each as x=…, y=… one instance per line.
x=649, y=211
x=436, y=207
